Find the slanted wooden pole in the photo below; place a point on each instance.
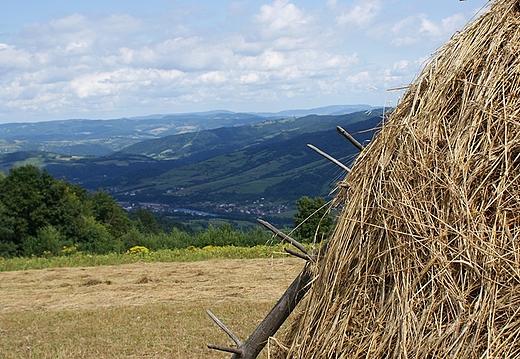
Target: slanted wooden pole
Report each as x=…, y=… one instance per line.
x=229, y=333
x=281, y=310
x=271, y=323
x=349, y=137
x=305, y=253
x=329, y=157
x=277, y=316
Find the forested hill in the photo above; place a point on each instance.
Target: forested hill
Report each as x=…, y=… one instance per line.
x=278, y=171
x=193, y=147
x=277, y=168
x=101, y=137
x=243, y=171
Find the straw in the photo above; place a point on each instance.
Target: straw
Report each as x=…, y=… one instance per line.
x=424, y=261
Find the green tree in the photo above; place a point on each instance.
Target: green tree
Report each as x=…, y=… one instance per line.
x=40, y=214
x=20, y=197
x=96, y=238
x=106, y=211
x=49, y=241
x=8, y=246
x=30, y=201
x=313, y=220
x=60, y=208
x=146, y=222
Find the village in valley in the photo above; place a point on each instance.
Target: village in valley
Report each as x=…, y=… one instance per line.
x=256, y=208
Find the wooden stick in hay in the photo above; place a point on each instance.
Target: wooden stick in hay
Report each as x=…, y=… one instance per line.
x=351, y=138
x=278, y=314
x=304, y=253
x=329, y=157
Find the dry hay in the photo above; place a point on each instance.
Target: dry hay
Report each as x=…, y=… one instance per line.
x=425, y=258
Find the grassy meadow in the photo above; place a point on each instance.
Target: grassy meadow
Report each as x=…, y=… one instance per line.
x=189, y=254
x=137, y=305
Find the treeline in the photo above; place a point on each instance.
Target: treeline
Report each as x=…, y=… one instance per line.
x=40, y=215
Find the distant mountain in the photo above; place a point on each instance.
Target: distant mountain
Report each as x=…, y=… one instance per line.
x=225, y=171
x=101, y=137
x=151, y=157
x=191, y=147
x=328, y=110
x=279, y=171
x=232, y=172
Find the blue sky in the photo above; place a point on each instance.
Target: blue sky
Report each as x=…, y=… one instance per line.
x=109, y=59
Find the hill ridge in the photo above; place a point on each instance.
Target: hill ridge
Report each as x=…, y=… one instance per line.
x=234, y=167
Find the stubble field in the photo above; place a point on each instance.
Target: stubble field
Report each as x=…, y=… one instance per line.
x=141, y=310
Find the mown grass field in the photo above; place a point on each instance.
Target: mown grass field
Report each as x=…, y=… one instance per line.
x=137, y=310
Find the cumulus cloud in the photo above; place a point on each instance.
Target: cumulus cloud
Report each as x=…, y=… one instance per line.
x=12, y=57
x=284, y=17
x=420, y=27
x=359, y=15
x=123, y=65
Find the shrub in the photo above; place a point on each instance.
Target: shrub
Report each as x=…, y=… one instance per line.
x=138, y=250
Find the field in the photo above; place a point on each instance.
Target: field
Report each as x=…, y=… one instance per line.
x=137, y=310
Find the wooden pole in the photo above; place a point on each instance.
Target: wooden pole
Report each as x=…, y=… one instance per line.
x=349, y=137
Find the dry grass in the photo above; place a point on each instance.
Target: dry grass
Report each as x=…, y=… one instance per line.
x=142, y=310
x=425, y=259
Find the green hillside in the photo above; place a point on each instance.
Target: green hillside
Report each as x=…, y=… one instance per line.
x=194, y=147
x=240, y=173
x=79, y=137
x=279, y=172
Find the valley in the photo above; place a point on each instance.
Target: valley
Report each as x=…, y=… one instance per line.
x=234, y=173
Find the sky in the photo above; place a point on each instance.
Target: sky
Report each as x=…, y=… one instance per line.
x=102, y=59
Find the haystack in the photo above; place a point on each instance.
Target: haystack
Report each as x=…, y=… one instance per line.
x=424, y=261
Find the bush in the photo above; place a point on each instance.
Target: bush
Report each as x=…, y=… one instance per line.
x=97, y=239
x=226, y=235
x=138, y=250
x=7, y=249
x=50, y=240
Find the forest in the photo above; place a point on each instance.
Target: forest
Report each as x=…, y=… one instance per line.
x=44, y=216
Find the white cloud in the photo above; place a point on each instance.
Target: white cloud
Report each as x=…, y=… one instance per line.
x=429, y=28
x=359, y=78
x=249, y=78
x=359, y=15
x=213, y=77
x=453, y=23
x=401, y=67
x=270, y=60
x=281, y=54
x=98, y=63
x=72, y=22
x=399, y=73
x=284, y=17
x=11, y=57
x=417, y=28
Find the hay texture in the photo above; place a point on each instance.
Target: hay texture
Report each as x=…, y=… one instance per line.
x=424, y=261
